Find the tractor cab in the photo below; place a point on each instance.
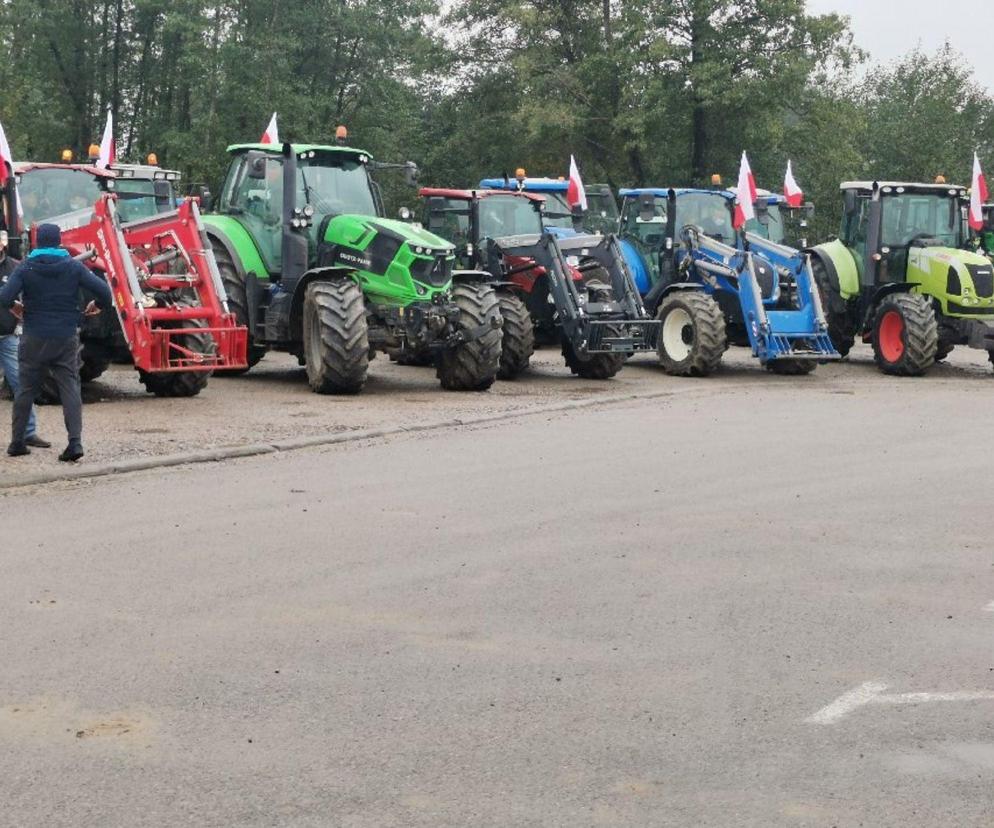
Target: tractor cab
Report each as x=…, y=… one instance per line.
x=900, y=231
x=144, y=190
x=63, y=194
x=602, y=209
x=469, y=218
x=558, y=217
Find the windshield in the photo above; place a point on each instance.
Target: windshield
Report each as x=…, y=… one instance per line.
x=136, y=199
x=48, y=193
x=557, y=212
x=650, y=233
x=773, y=230
x=709, y=211
x=335, y=185
x=907, y=215
x=502, y=216
x=602, y=211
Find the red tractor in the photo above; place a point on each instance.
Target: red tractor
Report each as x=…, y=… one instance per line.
x=576, y=290
x=171, y=318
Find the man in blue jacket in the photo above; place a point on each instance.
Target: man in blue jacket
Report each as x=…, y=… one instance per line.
x=48, y=282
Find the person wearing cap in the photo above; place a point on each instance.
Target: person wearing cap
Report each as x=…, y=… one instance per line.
x=10, y=329
x=48, y=284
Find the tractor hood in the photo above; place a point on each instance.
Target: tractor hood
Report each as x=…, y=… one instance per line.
x=358, y=231
x=964, y=276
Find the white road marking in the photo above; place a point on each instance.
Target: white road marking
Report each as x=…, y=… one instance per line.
x=872, y=692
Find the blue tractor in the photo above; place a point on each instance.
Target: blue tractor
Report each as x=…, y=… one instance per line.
x=711, y=286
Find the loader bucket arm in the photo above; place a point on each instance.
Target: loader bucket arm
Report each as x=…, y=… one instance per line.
x=606, y=252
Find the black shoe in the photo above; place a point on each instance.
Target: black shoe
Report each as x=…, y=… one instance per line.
x=71, y=454
x=18, y=450
x=36, y=442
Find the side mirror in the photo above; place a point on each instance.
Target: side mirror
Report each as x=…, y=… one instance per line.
x=762, y=208
x=809, y=210
x=256, y=166
x=411, y=174
x=436, y=218
x=404, y=214
x=162, y=190
x=647, y=207
x=576, y=212
x=202, y=192
x=606, y=192
x=849, y=202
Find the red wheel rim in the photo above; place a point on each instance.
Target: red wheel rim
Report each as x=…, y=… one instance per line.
x=890, y=336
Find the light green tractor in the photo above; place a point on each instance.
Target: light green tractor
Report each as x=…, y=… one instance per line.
x=312, y=267
x=901, y=277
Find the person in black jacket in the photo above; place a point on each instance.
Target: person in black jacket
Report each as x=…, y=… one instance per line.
x=10, y=329
x=48, y=282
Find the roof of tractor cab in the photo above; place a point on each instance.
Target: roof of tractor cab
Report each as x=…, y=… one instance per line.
x=470, y=195
x=28, y=166
x=907, y=185
x=535, y=185
x=277, y=149
x=663, y=192
x=145, y=171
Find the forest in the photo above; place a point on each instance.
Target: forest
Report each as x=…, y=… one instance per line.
x=642, y=93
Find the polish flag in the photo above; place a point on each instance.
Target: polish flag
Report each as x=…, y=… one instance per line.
x=272, y=134
x=793, y=194
x=745, y=195
x=575, y=194
x=6, y=156
x=978, y=195
x=108, y=151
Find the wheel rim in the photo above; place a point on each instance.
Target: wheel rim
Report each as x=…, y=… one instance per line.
x=890, y=336
x=678, y=334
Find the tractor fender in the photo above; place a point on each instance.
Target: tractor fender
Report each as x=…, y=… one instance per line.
x=226, y=238
x=840, y=267
x=317, y=274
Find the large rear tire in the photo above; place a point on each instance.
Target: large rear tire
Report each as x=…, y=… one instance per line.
x=692, y=337
x=234, y=286
x=336, y=339
x=905, y=335
x=841, y=329
x=517, y=338
x=472, y=365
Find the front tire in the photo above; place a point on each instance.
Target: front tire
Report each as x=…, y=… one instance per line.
x=182, y=383
x=336, y=341
x=234, y=286
x=905, y=335
x=692, y=337
x=472, y=365
x=518, y=337
x=593, y=366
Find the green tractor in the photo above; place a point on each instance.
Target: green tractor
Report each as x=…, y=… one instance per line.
x=901, y=278
x=312, y=268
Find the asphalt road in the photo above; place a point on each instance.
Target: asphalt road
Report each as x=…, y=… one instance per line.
x=624, y=615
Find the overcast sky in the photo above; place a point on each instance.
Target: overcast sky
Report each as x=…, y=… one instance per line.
x=889, y=28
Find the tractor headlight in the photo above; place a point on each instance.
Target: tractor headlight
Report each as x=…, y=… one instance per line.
x=308, y=211
x=295, y=222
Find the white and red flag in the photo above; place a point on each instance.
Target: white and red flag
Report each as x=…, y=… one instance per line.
x=791, y=191
x=575, y=194
x=108, y=151
x=978, y=195
x=745, y=195
x=6, y=156
x=272, y=134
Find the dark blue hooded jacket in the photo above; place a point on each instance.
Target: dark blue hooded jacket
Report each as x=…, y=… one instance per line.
x=48, y=282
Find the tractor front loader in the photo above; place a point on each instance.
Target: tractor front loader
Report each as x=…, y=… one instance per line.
x=591, y=307
x=313, y=268
x=171, y=310
x=900, y=276
x=711, y=286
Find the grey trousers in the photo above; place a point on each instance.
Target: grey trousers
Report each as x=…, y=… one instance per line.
x=61, y=358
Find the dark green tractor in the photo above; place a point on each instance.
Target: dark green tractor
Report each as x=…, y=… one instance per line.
x=313, y=268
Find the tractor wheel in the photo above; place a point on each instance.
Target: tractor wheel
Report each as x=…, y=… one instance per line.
x=91, y=366
x=905, y=335
x=990, y=356
x=791, y=367
x=234, y=286
x=336, y=341
x=182, y=383
x=840, y=326
x=518, y=337
x=943, y=349
x=473, y=365
x=594, y=366
x=692, y=339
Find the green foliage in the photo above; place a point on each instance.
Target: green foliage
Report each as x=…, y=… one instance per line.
x=641, y=91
